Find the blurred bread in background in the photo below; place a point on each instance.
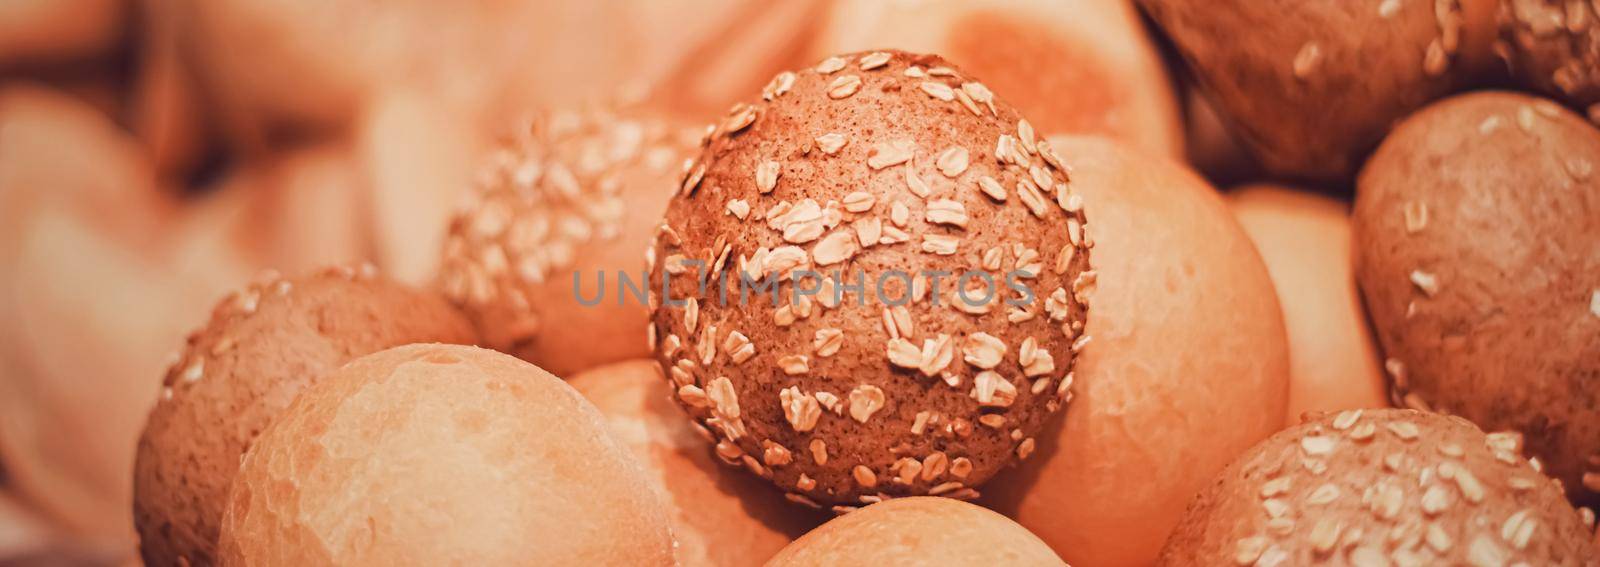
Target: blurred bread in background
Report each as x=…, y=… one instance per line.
x=1070, y=66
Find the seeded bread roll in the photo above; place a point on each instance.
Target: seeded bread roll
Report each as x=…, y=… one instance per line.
x=433, y=454
x=877, y=168
x=719, y=517
x=1382, y=487
x=1311, y=87
x=572, y=195
x=262, y=347
x=1553, y=46
x=1476, y=250
x=918, y=531
x=1072, y=66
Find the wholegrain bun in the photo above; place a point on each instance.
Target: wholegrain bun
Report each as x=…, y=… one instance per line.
x=1382, y=487
x=871, y=165
x=1553, y=47
x=1072, y=67
x=1304, y=238
x=918, y=531
x=1311, y=87
x=719, y=516
x=263, y=345
x=1189, y=366
x=1475, y=227
x=561, y=214
x=442, y=455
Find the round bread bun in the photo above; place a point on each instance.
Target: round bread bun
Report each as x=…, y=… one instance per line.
x=262, y=346
x=1189, y=366
x=1553, y=46
x=1311, y=87
x=572, y=198
x=43, y=32
x=1305, y=240
x=907, y=385
x=442, y=455
x=1382, y=487
x=1072, y=67
x=719, y=517
x=1476, y=250
x=918, y=531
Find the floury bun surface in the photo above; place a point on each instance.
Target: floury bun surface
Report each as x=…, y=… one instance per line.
x=878, y=169
x=570, y=193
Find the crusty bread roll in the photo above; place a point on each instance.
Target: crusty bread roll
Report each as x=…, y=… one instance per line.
x=1311, y=87
x=918, y=531
x=1304, y=238
x=1072, y=67
x=719, y=517
x=1188, y=368
x=1475, y=229
x=263, y=345
x=442, y=455
x=885, y=169
x=562, y=211
x=1382, y=487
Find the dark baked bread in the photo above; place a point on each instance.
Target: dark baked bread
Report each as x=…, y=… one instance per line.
x=881, y=164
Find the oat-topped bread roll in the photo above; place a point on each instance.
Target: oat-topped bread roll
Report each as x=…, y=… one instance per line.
x=926, y=272
x=568, y=194
x=262, y=347
x=1553, y=46
x=1477, y=249
x=1382, y=487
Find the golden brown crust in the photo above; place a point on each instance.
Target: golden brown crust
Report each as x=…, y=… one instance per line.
x=1553, y=46
x=916, y=531
x=1310, y=87
x=573, y=194
x=262, y=346
x=826, y=401
x=432, y=454
x=1382, y=487
x=1475, y=230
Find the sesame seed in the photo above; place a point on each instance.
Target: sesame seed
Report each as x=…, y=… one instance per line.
x=875, y=60
x=819, y=451
x=960, y=467
x=739, y=118
x=1025, y=449
x=779, y=85
x=916, y=72
x=864, y=476
x=865, y=400
x=1405, y=430
x=831, y=65
x=1435, y=61
x=1525, y=118
x=1483, y=552
x=1324, y=534
x=1248, y=550
x=938, y=90
x=831, y=143
x=1307, y=60
x=1388, y=8
x=1318, y=444
x=1324, y=494
x=953, y=161
x=844, y=86
x=1427, y=282
x=1594, y=302
x=195, y=371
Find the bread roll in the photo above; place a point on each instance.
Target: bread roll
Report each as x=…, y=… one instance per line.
x=436, y=455
x=1305, y=240
x=1189, y=365
x=870, y=168
x=1475, y=227
x=918, y=531
x=262, y=347
x=1072, y=67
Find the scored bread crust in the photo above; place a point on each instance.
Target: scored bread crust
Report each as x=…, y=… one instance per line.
x=262, y=346
x=872, y=163
x=1476, y=254
x=1381, y=487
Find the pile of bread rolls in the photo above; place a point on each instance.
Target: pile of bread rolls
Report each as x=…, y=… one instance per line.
x=815, y=282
